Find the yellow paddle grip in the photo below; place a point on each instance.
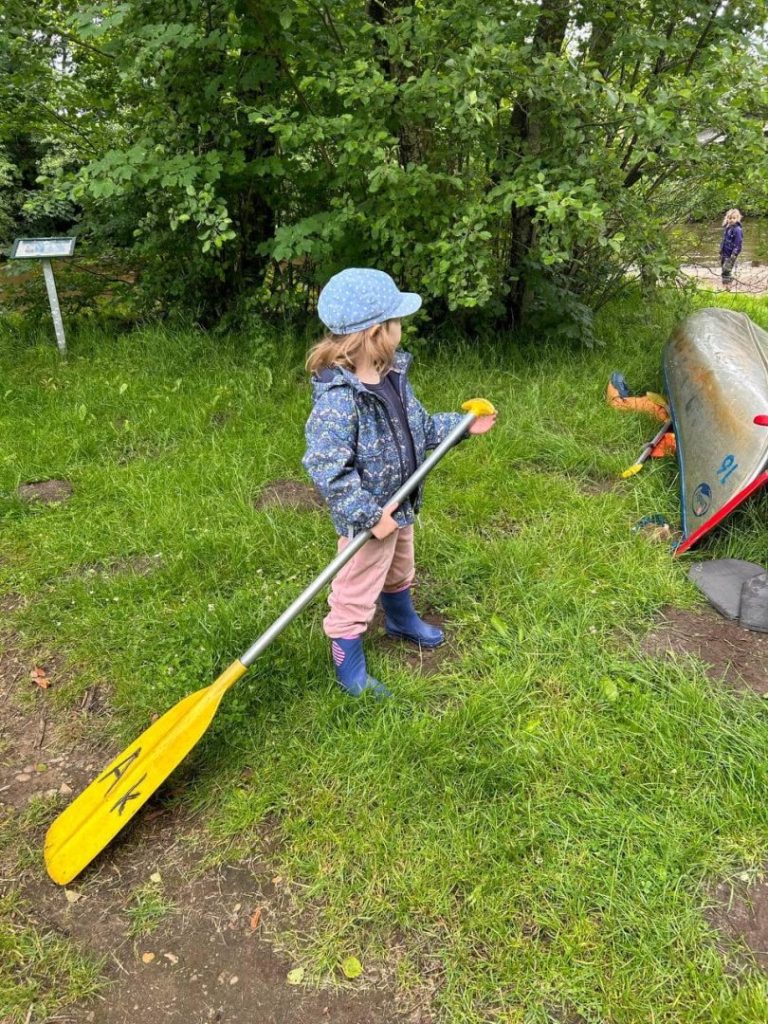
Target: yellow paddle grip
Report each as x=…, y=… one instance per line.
x=479, y=406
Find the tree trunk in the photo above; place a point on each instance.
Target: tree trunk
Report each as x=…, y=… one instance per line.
x=382, y=13
x=526, y=127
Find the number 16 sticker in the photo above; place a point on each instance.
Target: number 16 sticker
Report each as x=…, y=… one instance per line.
x=727, y=466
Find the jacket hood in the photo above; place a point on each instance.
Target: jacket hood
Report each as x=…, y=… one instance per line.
x=336, y=376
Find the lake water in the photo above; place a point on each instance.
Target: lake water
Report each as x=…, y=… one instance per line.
x=700, y=243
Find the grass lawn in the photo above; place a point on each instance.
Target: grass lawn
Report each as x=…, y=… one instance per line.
x=538, y=826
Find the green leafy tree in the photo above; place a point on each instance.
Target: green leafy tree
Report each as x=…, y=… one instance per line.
x=511, y=161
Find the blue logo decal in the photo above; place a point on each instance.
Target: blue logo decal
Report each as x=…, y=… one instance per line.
x=702, y=499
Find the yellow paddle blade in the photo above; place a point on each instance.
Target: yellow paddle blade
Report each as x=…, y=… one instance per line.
x=479, y=406
x=632, y=470
x=96, y=816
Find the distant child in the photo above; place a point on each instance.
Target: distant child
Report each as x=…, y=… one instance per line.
x=730, y=246
x=366, y=434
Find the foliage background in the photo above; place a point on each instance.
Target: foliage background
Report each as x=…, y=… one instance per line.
x=511, y=161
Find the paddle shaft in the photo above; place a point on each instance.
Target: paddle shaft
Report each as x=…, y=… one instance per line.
x=646, y=452
x=648, y=448
x=314, y=588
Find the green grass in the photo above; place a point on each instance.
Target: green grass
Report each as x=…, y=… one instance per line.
x=148, y=908
x=543, y=837
x=40, y=972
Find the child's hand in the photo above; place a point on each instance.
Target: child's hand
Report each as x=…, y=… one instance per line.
x=486, y=414
x=386, y=524
x=482, y=424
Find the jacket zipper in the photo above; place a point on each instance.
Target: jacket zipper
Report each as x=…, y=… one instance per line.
x=381, y=401
x=395, y=438
x=413, y=497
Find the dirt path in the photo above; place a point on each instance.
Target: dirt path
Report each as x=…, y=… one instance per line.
x=210, y=958
x=749, y=278
x=733, y=655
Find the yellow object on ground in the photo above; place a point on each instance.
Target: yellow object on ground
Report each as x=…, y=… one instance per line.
x=85, y=827
x=479, y=406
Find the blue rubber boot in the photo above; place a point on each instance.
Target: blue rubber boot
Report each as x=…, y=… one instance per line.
x=349, y=662
x=402, y=621
x=618, y=381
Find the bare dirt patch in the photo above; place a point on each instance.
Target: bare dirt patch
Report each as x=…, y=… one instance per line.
x=425, y=661
x=10, y=603
x=595, y=484
x=212, y=957
x=739, y=912
x=205, y=961
x=31, y=763
x=288, y=494
x=735, y=655
x=45, y=492
x=499, y=526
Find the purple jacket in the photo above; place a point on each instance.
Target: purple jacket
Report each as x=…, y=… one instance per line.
x=730, y=247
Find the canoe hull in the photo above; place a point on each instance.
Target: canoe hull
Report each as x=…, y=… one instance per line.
x=716, y=372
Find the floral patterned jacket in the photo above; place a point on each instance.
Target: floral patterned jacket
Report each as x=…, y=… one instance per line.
x=354, y=449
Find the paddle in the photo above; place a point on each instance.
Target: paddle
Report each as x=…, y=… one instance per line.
x=95, y=817
x=646, y=452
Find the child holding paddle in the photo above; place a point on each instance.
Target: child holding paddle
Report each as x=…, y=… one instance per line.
x=366, y=434
x=361, y=449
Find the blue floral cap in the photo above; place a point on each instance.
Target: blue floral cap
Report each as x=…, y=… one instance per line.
x=358, y=298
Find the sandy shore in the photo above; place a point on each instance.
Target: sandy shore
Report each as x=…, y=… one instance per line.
x=750, y=277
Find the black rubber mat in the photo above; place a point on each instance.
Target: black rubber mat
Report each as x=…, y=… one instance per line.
x=754, y=604
x=721, y=580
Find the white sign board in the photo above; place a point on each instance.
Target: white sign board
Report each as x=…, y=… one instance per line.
x=44, y=249
x=35, y=248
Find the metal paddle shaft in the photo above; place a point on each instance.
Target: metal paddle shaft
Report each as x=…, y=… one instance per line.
x=648, y=448
x=95, y=817
x=645, y=454
x=354, y=546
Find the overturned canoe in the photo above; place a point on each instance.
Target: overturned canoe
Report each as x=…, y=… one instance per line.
x=716, y=372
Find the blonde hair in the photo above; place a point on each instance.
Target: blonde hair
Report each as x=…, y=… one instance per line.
x=732, y=217
x=345, y=350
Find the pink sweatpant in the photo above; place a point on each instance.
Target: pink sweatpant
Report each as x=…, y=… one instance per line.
x=379, y=565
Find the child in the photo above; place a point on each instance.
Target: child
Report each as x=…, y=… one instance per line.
x=366, y=435
x=730, y=246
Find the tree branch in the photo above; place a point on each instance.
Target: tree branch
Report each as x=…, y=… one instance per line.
x=325, y=16
x=62, y=120
x=703, y=37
